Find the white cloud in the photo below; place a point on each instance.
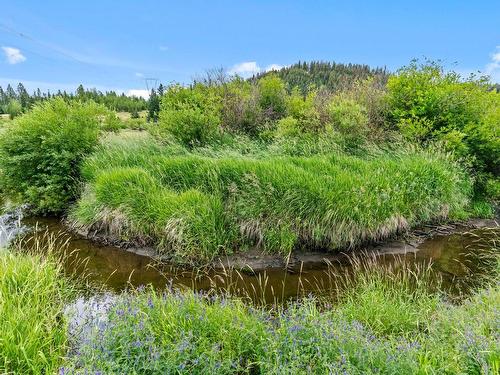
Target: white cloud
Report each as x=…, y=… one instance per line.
x=13, y=55
x=249, y=68
x=163, y=48
x=139, y=75
x=493, y=67
x=274, y=67
x=138, y=92
x=245, y=69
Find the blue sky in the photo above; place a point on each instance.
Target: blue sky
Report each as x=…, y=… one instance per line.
x=116, y=44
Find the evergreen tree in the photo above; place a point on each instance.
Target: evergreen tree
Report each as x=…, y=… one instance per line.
x=24, y=97
x=11, y=94
x=161, y=90
x=80, y=92
x=153, y=106
x=3, y=98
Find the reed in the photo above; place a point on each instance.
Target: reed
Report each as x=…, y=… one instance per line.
x=195, y=208
x=33, y=293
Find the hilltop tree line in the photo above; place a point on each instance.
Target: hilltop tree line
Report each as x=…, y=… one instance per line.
x=330, y=75
x=19, y=100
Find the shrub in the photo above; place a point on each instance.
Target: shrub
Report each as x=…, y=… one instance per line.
x=272, y=96
x=303, y=109
x=41, y=153
x=241, y=112
x=191, y=114
x=349, y=119
x=347, y=116
x=426, y=103
x=288, y=127
x=13, y=108
x=492, y=188
x=372, y=95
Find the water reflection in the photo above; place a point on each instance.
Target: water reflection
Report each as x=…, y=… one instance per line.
x=458, y=258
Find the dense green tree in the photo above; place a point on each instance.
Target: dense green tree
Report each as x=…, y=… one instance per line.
x=153, y=106
x=23, y=96
x=109, y=99
x=11, y=94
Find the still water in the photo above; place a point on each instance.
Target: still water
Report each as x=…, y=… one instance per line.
x=457, y=258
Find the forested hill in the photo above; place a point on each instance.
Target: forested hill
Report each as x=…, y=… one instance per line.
x=331, y=75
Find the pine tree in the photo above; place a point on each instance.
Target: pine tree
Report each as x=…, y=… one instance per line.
x=161, y=90
x=80, y=92
x=24, y=97
x=3, y=98
x=153, y=106
x=11, y=94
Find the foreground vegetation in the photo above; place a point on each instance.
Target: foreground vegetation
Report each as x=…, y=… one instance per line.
x=33, y=294
x=386, y=320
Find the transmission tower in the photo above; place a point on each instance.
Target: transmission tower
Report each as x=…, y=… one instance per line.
x=151, y=83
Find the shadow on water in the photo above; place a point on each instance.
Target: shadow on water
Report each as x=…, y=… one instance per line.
x=457, y=258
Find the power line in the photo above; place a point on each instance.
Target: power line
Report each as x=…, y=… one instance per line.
x=43, y=44
x=151, y=83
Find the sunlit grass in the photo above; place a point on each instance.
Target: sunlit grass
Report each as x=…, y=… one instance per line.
x=33, y=333
x=196, y=207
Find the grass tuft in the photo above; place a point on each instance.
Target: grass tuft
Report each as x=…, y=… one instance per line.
x=196, y=207
x=33, y=293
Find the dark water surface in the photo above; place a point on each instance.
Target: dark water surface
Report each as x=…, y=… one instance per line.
x=457, y=258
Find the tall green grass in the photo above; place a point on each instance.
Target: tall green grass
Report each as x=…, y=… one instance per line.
x=278, y=201
x=197, y=207
x=33, y=332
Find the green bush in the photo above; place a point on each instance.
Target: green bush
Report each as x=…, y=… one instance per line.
x=492, y=189
x=272, y=96
x=41, y=153
x=347, y=116
x=191, y=114
x=288, y=127
x=241, y=112
x=13, y=108
x=427, y=104
x=350, y=120
x=303, y=109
